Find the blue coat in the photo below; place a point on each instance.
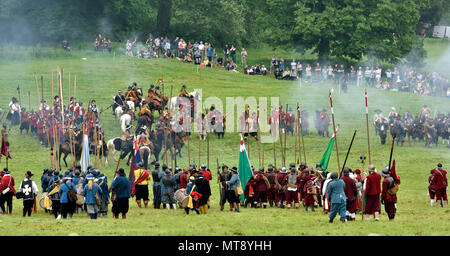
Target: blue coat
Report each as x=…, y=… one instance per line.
x=189, y=187
x=335, y=191
x=122, y=186
x=104, y=185
x=44, y=182
x=234, y=181
x=64, y=192
x=89, y=195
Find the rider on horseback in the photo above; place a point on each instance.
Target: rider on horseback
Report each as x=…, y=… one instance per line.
x=133, y=94
x=183, y=92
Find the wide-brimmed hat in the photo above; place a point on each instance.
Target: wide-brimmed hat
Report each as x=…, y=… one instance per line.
x=234, y=169
x=6, y=171
x=121, y=172
x=29, y=173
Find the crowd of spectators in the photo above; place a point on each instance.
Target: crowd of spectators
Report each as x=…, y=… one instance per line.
x=396, y=79
x=102, y=44
x=204, y=54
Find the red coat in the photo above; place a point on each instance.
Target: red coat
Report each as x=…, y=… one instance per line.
x=7, y=180
x=385, y=196
x=373, y=184
x=260, y=184
x=206, y=174
x=439, y=179
x=350, y=188
x=183, y=180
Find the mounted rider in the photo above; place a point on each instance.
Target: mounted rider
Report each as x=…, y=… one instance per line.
x=119, y=100
x=133, y=94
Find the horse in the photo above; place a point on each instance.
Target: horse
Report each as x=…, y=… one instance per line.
x=173, y=103
x=143, y=124
x=145, y=153
x=117, y=144
x=65, y=148
x=125, y=122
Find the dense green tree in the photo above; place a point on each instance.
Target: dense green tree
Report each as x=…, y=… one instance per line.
x=349, y=29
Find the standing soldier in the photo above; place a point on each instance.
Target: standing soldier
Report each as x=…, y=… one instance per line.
x=389, y=192
x=292, y=182
x=280, y=187
x=120, y=194
x=222, y=178
x=141, y=177
x=168, y=188
x=157, y=176
x=372, y=193
x=30, y=191
x=261, y=186
x=439, y=180
x=351, y=193
x=271, y=191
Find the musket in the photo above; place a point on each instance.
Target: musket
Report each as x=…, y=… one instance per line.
x=348, y=152
x=334, y=130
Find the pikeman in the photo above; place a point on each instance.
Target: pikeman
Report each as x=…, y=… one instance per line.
x=292, y=182
x=271, y=191
x=261, y=185
x=280, y=187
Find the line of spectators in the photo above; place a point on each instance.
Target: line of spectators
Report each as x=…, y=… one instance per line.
x=396, y=79
x=197, y=52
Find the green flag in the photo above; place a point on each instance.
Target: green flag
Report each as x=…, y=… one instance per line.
x=244, y=169
x=326, y=156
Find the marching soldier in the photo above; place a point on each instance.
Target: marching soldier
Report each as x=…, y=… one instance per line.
x=271, y=191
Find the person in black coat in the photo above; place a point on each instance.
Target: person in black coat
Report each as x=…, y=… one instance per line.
x=204, y=189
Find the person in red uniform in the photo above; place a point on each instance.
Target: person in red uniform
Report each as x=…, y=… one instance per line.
x=359, y=180
x=388, y=193
x=309, y=189
x=184, y=178
x=372, y=193
x=431, y=188
x=280, y=187
x=439, y=180
x=261, y=186
x=206, y=172
x=271, y=191
x=351, y=193
x=292, y=182
x=302, y=175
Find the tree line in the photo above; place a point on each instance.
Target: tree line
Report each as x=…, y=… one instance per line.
x=340, y=29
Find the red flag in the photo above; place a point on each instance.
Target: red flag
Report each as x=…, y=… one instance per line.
x=4, y=149
x=394, y=174
x=35, y=208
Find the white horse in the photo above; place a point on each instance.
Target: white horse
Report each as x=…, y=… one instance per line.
x=125, y=122
x=195, y=94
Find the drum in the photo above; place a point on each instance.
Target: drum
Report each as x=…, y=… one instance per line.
x=80, y=200
x=180, y=196
x=41, y=201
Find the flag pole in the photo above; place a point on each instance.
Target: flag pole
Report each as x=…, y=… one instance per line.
x=334, y=130
x=367, y=126
x=285, y=134
x=301, y=133
x=298, y=133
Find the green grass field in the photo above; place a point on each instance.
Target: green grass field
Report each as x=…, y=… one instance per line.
x=99, y=77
